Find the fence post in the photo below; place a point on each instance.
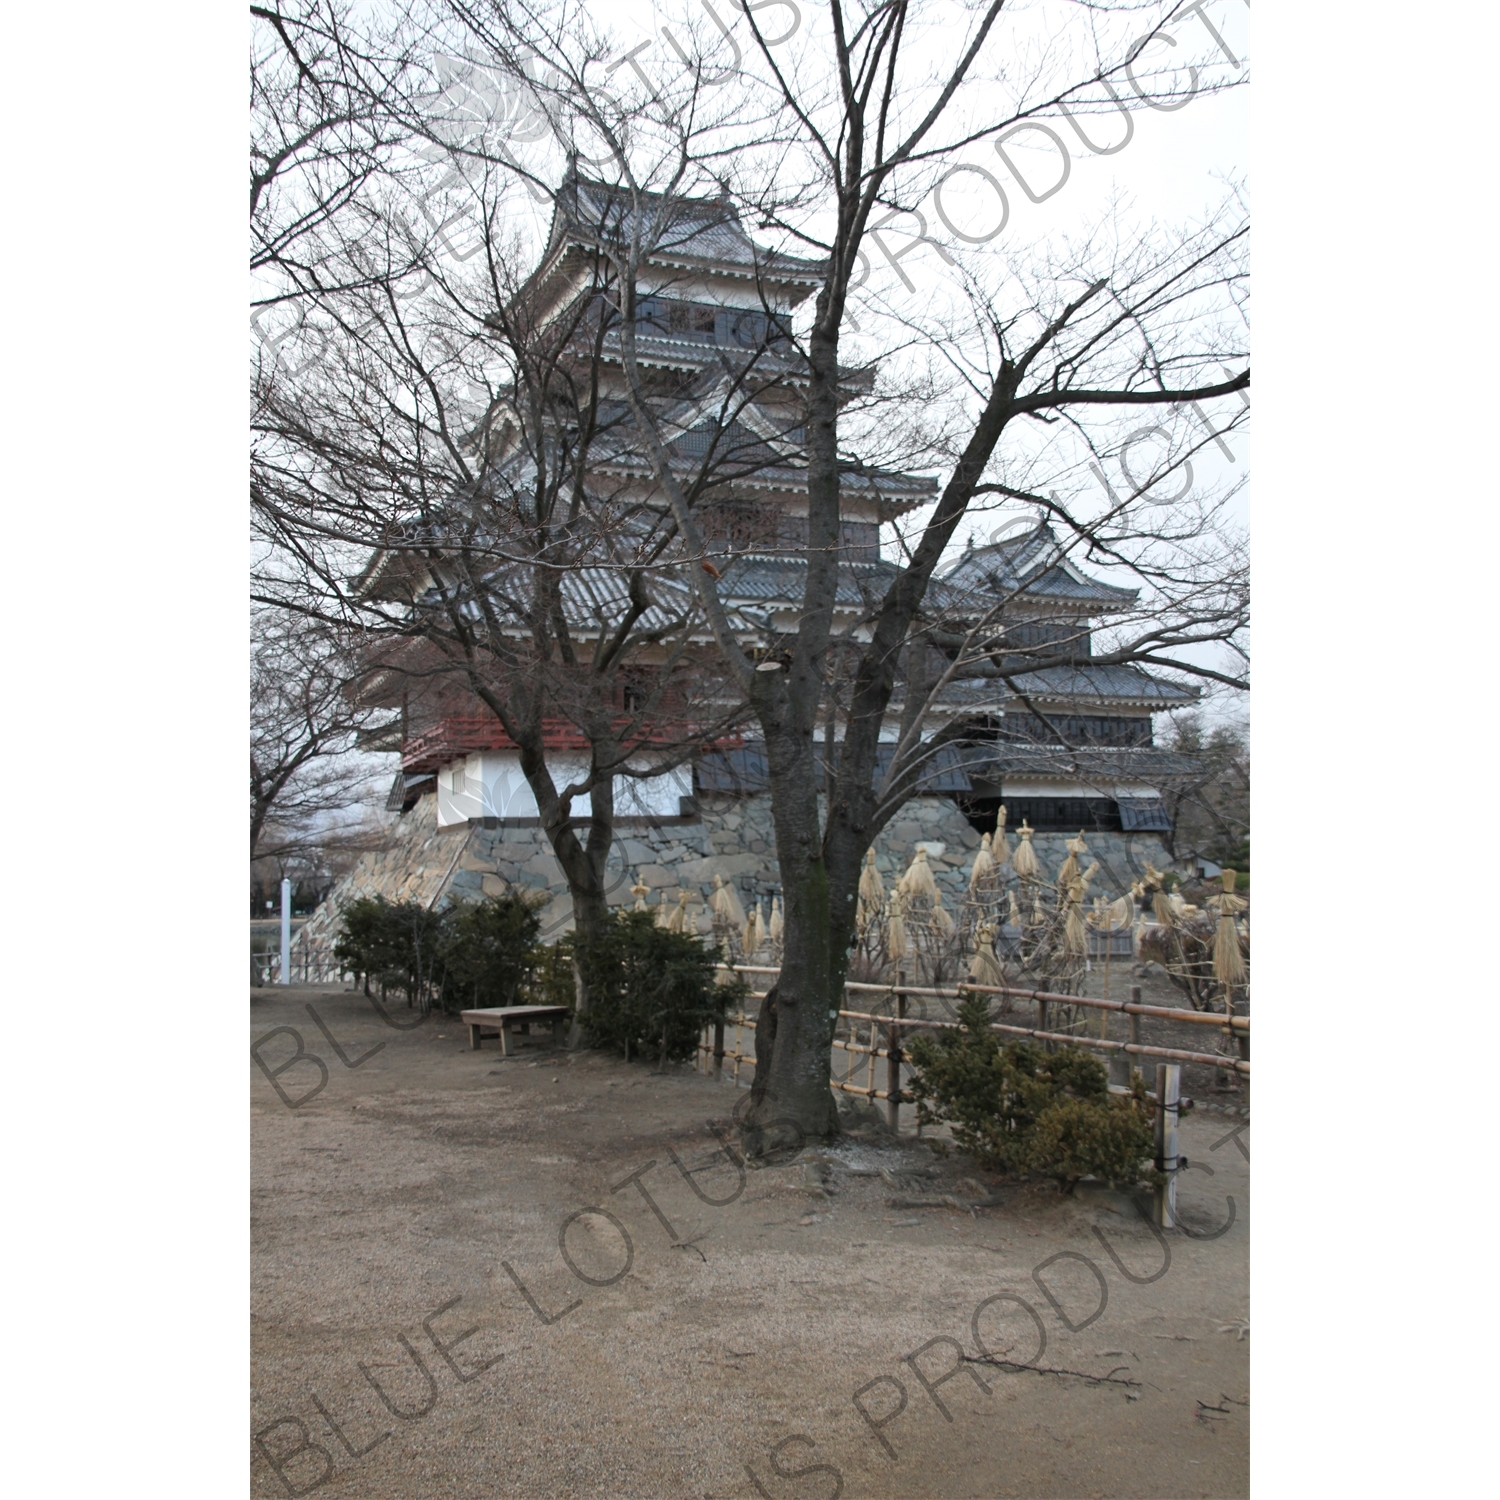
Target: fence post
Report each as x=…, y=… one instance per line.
x=1119, y=1062
x=286, y=931
x=718, y=1059
x=893, y=1061
x=1168, y=1089
x=1135, y=1032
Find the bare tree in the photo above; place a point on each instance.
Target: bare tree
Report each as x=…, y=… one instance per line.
x=326, y=132
x=1211, y=809
x=305, y=774
x=1031, y=375
x=1071, y=337
x=453, y=480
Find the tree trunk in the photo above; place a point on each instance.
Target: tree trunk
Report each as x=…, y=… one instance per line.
x=584, y=864
x=794, y=1094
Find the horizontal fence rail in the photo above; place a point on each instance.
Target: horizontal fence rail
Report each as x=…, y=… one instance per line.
x=265, y=968
x=863, y=1055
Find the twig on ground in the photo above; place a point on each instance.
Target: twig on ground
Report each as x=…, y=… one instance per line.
x=947, y=1200
x=1011, y=1367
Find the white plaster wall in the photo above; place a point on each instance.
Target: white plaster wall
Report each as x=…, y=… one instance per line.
x=653, y=796
x=1060, y=786
x=489, y=784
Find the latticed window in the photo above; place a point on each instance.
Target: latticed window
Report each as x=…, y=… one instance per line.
x=1075, y=729
x=860, y=540
x=705, y=322
x=743, y=524
x=692, y=320
x=1072, y=813
x=1065, y=637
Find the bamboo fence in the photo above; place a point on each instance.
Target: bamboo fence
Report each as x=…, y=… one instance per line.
x=864, y=1055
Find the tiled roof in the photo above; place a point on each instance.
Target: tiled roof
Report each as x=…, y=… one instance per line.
x=990, y=763
x=781, y=361
x=700, y=230
x=1144, y=815
x=742, y=769
x=593, y=598
x=1091, y=681
x=1036, y=564
x=757, y=578
x=776, y=460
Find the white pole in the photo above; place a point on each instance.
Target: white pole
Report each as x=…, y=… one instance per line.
x=1168, y=1091
x=286, y=931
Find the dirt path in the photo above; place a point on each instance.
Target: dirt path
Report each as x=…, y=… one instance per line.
x=724, y=1344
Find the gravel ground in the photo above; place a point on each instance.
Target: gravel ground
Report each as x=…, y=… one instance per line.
x=720, y=1352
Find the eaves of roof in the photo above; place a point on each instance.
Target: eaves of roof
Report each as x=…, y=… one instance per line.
x=1103, y=684
x=761, y=578
x=989, y=763
x=706, y=234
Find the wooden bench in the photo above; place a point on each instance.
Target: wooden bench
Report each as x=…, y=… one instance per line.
x=503, y=1018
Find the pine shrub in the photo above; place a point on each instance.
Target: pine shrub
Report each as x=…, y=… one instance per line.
x=396, y=943
x=488, y=950
x=651, y=992
x=1020, y=1110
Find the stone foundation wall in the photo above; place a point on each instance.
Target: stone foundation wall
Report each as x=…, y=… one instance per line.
x=732, y=838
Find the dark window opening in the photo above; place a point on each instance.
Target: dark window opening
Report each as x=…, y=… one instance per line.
x=1043, y=638
x=860, y=540
x=707, y=323
x=740, y=525
x=1045, y=814
x=1074, y=729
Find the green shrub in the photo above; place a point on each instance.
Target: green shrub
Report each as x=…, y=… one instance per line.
x=356, y=947
x=488, y=950
x=1108, y=1138
x=650, y=991
x=1020, y=1110
x=552, y=980
x=395, y=943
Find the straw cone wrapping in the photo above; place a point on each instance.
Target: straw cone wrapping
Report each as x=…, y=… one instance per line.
x=918, y=879
x=1103, y=918
x=1069, y=869
x=871, y=894
x=726, y=903
x=984, y=863
x=999, y=849
x=895, y=942
x=1075, y=937
x=1024, y=859
x=941, y=921
x=984, y=967
x=1161, y=903
x=1229, y=961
